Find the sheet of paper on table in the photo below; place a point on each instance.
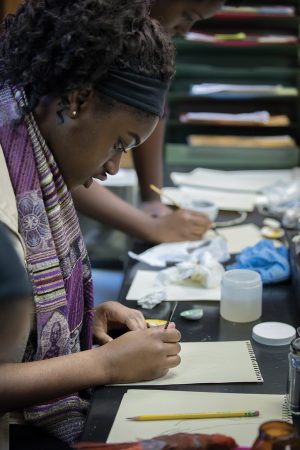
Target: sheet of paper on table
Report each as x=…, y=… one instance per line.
x=224, y=200
x=208, y=362
x=238, y=237
x=144, y=284
x=243, y=429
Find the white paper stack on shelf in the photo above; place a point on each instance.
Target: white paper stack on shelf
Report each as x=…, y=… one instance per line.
x=261, y=89
x=262, y=118
x=235, y=180
x=241, y=37
x=280, y=10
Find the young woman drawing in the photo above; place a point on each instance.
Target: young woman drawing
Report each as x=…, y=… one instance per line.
x=81, y=82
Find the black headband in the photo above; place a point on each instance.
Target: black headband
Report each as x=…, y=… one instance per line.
x=139, y=91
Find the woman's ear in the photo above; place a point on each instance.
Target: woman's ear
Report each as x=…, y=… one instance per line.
x=78, y=101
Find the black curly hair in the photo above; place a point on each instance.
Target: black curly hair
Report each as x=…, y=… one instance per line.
x=56, y=46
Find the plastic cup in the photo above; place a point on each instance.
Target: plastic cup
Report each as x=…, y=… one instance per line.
x=241, y=295
x=203, y=206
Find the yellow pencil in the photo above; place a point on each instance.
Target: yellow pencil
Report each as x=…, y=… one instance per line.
x=185, y=416
x=160, y=192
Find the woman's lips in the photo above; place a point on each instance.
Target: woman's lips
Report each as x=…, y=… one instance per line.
x=101, y=177
x=89, y=182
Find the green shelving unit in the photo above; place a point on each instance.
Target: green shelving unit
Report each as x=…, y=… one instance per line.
x=237, y=63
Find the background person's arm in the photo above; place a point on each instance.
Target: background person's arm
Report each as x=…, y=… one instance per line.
x=101, y=204
x=148, y=162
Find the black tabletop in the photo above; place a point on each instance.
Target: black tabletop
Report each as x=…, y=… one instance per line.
x=278, y=305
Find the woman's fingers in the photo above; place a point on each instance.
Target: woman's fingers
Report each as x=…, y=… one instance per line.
x=170, y=335
x=135, y=321
x=173, y=361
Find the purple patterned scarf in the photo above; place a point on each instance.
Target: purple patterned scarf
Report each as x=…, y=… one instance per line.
x=56, y=258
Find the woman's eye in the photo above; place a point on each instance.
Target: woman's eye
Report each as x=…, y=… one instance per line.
x=120, y=146
x=187, y=17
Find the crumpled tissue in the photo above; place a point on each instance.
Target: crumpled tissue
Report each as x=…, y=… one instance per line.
x=175, y=252
x=269, y=259
x=208, y=274
x=152, y=299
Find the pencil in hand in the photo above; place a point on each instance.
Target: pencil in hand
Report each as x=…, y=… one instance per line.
x=189, y=416
x=162, y=194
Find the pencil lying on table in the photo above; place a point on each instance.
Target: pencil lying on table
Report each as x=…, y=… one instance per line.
x=184, y=416
x=160, y=192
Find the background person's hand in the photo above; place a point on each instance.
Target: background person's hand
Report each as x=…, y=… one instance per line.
x=155, y=208
x=113, y=315
x=141, y=355
x=179, y=225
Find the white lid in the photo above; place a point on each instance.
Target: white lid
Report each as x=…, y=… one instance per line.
x=273, y=333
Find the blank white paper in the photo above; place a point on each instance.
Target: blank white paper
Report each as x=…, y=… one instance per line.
x=144, y=284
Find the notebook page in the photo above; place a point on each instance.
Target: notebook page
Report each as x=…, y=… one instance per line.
x=243, y=429
x=208, y=362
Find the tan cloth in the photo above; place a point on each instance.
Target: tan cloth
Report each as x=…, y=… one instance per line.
x=8, y=207
x=14, y=351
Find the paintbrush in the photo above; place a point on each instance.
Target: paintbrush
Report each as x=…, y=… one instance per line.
x=162, y=194
x=171, y=315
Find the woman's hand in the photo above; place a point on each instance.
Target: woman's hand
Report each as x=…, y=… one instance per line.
x=113, y=315
x=144, y=354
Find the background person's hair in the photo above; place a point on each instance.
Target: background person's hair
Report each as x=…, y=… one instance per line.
x=56, y=46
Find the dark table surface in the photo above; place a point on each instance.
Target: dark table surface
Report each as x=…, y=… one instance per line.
x=278, y=305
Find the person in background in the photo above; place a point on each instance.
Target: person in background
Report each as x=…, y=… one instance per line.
x=155, y=222
x=75, y=78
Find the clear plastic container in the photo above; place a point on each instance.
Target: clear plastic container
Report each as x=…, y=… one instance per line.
x=241, y=295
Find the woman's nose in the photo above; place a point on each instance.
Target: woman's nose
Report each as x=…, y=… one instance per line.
x=112, y=166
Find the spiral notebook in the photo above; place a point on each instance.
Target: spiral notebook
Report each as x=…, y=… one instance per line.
x=244, y=430
x=207, y=362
